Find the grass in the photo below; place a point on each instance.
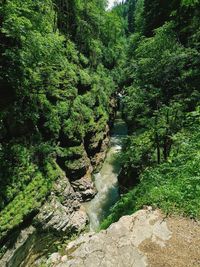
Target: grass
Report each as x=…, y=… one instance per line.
x=172, y=186
x=28, y=200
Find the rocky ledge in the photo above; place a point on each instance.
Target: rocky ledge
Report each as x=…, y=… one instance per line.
x=61, y=216
x=146, y=238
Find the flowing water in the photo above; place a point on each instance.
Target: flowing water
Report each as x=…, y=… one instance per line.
x=106, y=180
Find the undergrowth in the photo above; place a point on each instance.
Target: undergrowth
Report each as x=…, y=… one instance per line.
x=172, y=186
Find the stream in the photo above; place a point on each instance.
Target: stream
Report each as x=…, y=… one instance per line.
x=106, y=180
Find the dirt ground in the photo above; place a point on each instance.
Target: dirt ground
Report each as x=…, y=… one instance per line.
x=183, y=248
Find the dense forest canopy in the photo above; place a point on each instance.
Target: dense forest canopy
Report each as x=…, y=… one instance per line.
x=61, y=62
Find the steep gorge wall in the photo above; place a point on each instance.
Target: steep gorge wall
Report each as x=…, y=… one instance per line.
x=60, y=80
x=62, y=214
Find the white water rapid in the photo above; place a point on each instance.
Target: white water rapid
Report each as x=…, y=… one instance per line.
x=106, y=180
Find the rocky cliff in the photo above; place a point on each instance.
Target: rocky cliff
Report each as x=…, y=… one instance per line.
x=146, y=238
x=63, y=214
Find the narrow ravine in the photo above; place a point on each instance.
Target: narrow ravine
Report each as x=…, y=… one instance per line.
x=106, y=180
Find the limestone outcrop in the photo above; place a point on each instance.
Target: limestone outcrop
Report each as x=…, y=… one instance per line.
x=138, y=240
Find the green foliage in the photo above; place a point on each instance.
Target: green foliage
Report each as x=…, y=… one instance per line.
x=162, y=91
x=139, y=16
x=17, y=171
x=161, y=107
x=172, y=186
x=54, y=60
x=60, y=64
x=138, y=150
x=29, y=199
x=190, y=2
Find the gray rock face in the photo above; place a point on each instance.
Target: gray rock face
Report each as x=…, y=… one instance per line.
x=84, y=187
x=118, y=245
x=77, y=168
x=98, y=158
x=63, y=212
x=24, y=243
x=62, y=219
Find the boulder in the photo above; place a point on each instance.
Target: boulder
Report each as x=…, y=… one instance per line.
x=84, y=187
